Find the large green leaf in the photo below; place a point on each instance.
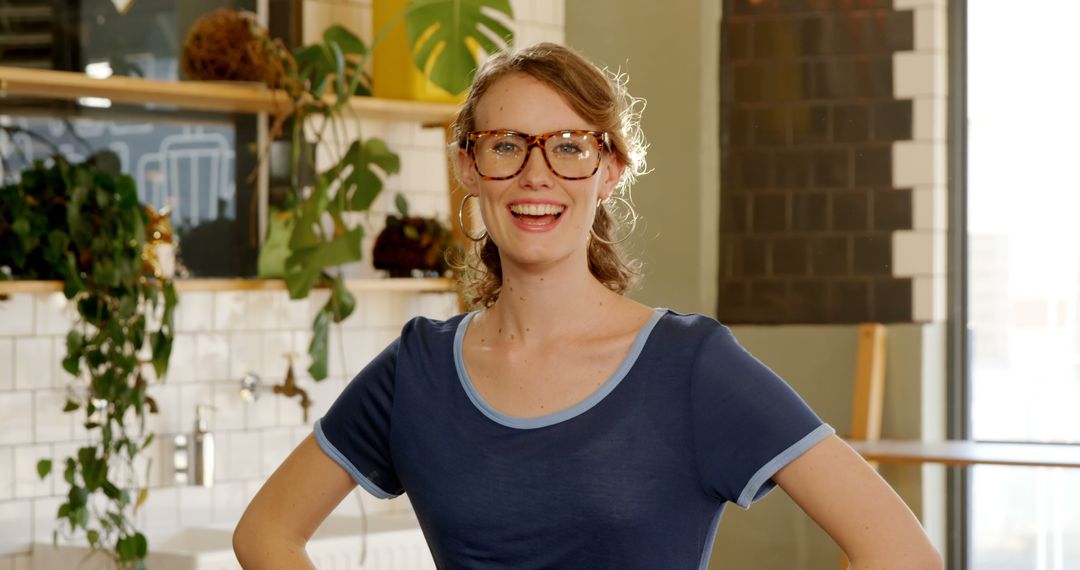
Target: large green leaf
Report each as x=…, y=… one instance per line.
x=349, y=42
x=343, y=249
x=300, y=281
x=276, y=248
x=363, y=185
x=319, y=343
x=304, y=266
x=342, y=302
x=446, y=28
x=311, y=211
x=319, y=62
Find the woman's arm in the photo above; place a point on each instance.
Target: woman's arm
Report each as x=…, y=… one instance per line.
x=288, y=509
x=857, y=508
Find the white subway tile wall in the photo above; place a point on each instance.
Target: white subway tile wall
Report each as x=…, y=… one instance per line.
x=7, y=484
x=222, y=335
x=17, y=315
x=16, y=418
x=7, y=362
x=33, y=367
x=251, y=438
x=51, y=424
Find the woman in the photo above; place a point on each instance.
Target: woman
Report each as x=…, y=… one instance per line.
x=563, y=425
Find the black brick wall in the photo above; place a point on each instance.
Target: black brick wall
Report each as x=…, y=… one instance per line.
x=807, y=125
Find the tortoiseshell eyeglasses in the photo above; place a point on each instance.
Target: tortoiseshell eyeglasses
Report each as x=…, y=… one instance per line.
x=502, y=154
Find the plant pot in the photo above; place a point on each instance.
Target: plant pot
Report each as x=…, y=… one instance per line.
x=411, y=246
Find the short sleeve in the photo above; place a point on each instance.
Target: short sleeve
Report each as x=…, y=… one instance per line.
x=748, y=423
x=355, y=431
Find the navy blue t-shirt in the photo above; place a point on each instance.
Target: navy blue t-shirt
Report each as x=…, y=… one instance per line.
x=635, y=476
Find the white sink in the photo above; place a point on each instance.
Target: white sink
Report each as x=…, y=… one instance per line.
x=394, y=542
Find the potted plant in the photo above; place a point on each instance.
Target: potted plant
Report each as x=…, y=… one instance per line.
x=411, y=246
x=83, y=224
x=312, y=233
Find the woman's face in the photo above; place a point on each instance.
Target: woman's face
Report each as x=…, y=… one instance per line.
x=521, y=103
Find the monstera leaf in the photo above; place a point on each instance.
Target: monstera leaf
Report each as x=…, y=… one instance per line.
x=444, y=34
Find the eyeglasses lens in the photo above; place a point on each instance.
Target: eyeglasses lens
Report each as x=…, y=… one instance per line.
x=571, y=154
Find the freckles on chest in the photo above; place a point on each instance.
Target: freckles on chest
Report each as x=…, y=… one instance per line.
x=537, y=384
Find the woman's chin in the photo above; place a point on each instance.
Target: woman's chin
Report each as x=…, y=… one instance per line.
x=537, y=255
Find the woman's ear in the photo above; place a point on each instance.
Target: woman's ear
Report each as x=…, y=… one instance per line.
x=611, y=171
x=466, y=174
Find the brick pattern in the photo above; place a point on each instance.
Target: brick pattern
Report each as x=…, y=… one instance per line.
x=808, y=122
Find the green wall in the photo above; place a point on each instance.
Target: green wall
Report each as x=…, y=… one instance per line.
x=670, y=51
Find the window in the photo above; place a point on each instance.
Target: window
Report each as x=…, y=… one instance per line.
x=1023, y=205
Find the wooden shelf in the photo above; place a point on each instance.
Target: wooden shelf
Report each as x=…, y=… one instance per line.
x=198, y=95
x=439, y=285
x=966, y=453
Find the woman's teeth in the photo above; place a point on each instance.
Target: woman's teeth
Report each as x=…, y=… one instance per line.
x=537, y=214
x=537, y=209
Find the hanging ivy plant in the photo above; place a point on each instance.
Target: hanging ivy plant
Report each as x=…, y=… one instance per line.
x=83, y=224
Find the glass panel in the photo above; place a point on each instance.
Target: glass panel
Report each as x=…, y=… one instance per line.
x=187, y=162
x=1025, y=239
x=104, y=37
x=1026, y=518
x=1024, y=261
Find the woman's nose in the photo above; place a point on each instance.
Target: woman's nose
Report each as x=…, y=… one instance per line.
x=536, y=172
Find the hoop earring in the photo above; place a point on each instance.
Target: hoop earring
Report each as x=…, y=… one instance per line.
x=633, y=222
x=461, y=222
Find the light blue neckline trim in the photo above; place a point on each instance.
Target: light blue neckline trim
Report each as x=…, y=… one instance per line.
x=749, y=492
x=561, y=415
x=347, y=465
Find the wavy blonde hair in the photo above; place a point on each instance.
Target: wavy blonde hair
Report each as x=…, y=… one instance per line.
x=599, y=97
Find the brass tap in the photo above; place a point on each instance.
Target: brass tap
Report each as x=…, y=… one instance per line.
x=289, y=388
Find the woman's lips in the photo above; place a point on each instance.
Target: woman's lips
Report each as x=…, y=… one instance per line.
x=536, y=223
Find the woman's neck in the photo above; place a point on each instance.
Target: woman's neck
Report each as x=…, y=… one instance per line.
x=542, y=305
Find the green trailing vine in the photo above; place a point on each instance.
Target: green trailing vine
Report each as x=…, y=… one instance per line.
x=83, y=224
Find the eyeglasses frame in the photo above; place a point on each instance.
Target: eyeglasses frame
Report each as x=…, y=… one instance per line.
x=538, y=141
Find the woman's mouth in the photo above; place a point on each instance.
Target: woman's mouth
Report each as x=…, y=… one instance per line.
x=536, y=216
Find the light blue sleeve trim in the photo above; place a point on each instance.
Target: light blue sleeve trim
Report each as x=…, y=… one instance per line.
x=750, y=491
x=347, y=465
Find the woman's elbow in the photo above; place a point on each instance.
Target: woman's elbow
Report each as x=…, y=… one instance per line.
x=932, y=560
x=242, y=543
x=926, y=559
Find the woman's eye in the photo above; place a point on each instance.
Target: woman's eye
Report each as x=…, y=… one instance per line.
x=506, y=147
x=568, y=148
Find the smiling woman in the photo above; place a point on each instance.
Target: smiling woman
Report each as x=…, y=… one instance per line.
x=561, y=424
x=588, y=121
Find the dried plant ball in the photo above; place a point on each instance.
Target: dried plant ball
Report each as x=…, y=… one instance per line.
x=230, y=45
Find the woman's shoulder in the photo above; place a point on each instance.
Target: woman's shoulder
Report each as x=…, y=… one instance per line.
x=694, y=325
x=427, y=327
